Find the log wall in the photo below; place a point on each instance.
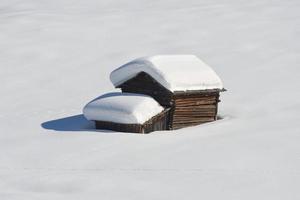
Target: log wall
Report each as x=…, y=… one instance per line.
x=132, y=128
x=194, y=109
x=156, y=123
x=187, y=108
x=145, y=84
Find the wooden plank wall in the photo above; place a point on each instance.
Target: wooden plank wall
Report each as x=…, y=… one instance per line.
x=156, y=123
x=132, y=128
x=190, y=110
x=145, y=84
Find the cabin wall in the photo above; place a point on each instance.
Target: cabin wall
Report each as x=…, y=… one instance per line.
x=156, y=123
x=145, y=84
x=132, y=128
x=194, y=109
x=159, y=122
x=187, y=108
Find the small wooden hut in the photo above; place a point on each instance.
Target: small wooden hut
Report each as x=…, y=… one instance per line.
x=126, y=112
x=183, y=83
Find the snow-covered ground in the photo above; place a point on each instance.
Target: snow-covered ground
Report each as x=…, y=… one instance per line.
x=57, y=55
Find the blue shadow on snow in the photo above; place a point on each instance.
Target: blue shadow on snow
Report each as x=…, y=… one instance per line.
x=79, y=122
x=72, y=123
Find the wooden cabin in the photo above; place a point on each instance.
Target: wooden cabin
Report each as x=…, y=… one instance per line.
x=182, y=83
x=127, y=112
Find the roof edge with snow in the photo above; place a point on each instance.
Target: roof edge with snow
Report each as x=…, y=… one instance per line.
x=124, y=108
x=174, y=72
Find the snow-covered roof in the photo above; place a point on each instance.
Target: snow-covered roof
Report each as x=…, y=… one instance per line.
x=174, y=72
x=126, y=108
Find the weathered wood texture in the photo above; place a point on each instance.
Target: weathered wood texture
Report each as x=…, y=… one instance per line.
x=156, y=123
x=105, y=125
x=187, y=108
x=145, y=84
x=193, y=108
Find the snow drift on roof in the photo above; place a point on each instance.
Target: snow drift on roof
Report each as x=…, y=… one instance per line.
x=126, y=108
x=174, y=72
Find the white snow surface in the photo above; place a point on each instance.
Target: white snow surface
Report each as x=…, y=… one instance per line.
x=174, y=72
x=55, y=56
x=125, y=108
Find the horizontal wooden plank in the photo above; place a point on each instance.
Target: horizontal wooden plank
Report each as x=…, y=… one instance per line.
x=182, y=120
x=197, y=93
x=134, y=128
x=196, y=99
x=194, y=116
x=199, y=119
x=195, y=107
x=177, y=119
x=195, y=103
x=195, y=110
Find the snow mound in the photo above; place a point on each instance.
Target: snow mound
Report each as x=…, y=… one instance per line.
x=126, y=108
x=174, y=72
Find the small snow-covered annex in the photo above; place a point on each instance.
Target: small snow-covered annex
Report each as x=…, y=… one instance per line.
x=183, y=83
x=127, y=112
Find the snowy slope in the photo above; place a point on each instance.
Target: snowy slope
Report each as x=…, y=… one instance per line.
x=57, y=55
